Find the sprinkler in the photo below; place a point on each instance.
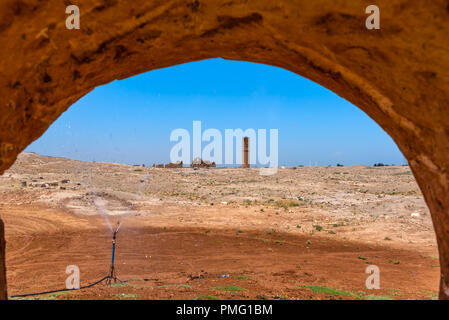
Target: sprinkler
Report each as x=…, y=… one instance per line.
x=112, y=277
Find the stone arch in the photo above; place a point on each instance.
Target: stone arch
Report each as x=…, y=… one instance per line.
x=398, y=75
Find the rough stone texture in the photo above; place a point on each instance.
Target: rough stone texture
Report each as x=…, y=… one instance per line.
x=398, y=75
x=3, y=289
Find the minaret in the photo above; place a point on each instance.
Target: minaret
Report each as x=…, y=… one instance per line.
x=245, y=154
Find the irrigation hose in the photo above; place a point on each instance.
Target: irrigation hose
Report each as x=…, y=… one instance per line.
x=59, y=290
x=110, y=276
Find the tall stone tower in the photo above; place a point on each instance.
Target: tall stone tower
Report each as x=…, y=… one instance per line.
x=245, y=153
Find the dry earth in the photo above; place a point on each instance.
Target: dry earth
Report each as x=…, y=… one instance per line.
x=303, y=233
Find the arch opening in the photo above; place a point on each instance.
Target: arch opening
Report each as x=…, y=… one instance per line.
x=306, y=187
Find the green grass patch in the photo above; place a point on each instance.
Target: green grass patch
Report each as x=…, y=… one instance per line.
x=336, y=225
x=244, y=277
x=395, y=261
x=229, y=288
x=62, y=293
x=373, y=297
x=50, y=296
x=333, y=292
x=432, y=295
x=119, y=285
x=46, y=297
x=206, y=298
x=175, y=285
x=394, y=292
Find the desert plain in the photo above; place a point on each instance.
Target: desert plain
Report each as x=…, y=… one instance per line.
x=217, y=233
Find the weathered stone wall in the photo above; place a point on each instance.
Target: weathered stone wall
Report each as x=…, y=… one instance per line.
x=398, y=75
x=3, y=288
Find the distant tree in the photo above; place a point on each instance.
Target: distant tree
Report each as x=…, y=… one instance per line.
x=340, y=165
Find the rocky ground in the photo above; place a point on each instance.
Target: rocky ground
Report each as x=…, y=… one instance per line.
x=308, y=228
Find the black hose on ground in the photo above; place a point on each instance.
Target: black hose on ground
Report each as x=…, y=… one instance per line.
x=59, y=290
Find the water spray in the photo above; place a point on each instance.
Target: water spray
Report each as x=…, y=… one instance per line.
x=110, y=278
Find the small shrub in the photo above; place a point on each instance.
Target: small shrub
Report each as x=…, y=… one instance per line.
x=228, y=288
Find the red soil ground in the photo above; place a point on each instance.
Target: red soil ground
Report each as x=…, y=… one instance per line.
x=174, y=262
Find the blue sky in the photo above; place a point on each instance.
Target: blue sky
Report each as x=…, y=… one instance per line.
x=130, y=121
